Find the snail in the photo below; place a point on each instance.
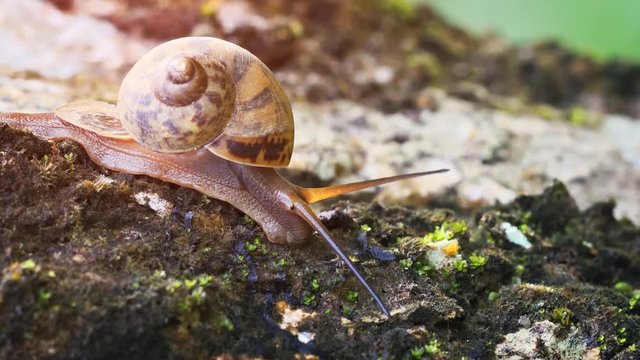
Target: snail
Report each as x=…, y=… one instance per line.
x=205, y=114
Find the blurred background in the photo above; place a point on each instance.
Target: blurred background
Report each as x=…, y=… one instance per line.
x=605, y=30
x=577, y=56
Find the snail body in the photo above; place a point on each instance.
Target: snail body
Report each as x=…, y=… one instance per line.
x=208, y=115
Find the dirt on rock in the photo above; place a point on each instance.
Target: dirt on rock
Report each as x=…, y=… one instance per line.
x=88, y=270
x=96, y=264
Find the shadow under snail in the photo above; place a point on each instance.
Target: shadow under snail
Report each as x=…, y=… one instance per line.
x=205, y=114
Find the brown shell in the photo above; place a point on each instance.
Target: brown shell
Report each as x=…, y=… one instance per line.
x=176, y=98
x=261, y=130
x=181, y=81
x=241, y=93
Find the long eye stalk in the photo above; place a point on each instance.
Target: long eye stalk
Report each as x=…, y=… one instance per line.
x=312, y=195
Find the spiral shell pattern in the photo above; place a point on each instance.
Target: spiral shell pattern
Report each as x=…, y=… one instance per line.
x=198, y=91
x=181, y=81
x=176, y=101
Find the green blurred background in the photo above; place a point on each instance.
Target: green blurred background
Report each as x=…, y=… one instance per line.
x=604, y=29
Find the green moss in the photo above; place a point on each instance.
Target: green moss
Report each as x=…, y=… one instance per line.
x=173, y=286
x=417, y=352
x=518, y=271
x=308, y=299
x=634, y=301
x=204, y=280
x=432, y=348
x=422, y=268
x=226, y=278
x=198, y=295
x=440, y=233
x=460, y=265
x=28, y=264
x=459, y=227
x=189, y=302
x=257, y=245
x=44, y=296
x=244, y=274
x=315, y=284
x=562, y=315
x=624, y=287
x=405, y=264
x=621, y=337
x=453, y=287
x=602, y=344
x=190, y=283
x=477, y=260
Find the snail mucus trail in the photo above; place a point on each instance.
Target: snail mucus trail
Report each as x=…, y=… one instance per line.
x=205, y=114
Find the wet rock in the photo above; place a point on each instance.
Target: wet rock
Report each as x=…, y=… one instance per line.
x=77, y=246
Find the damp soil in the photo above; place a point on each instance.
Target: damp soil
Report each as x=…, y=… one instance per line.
x=89, y=272
x=96, y=264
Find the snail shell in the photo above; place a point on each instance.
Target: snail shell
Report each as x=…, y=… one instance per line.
x=193, y=92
